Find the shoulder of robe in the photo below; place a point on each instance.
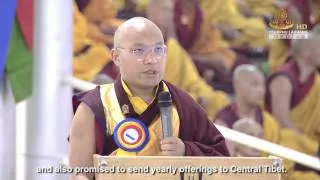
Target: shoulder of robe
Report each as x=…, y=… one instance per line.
x=91, y=98
x=285, y=72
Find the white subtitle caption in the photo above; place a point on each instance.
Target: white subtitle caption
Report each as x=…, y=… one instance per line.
x=154, y=170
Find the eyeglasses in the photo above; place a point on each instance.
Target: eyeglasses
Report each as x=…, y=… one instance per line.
x=140, y=53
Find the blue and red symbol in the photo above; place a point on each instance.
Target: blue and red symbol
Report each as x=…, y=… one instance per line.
x=131, y=135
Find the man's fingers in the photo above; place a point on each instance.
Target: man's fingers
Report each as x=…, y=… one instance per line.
x=167, y=153
x=169, y=140
x=172, y=146
x=168, y=147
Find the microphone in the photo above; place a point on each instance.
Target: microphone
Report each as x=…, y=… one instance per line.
x=165, y=105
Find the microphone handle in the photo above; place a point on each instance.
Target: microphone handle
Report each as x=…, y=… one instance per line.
x=165, y=113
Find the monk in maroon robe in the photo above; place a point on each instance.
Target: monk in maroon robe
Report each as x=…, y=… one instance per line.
x=293, y=91
x=249, y=87
x=140, y=55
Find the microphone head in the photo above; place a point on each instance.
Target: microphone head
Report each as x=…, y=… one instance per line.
x=164, y=99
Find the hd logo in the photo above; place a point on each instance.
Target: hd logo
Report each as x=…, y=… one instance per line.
x=301, y=26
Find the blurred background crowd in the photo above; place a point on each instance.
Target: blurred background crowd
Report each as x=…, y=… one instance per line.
x=218, y=51
x=206, y=41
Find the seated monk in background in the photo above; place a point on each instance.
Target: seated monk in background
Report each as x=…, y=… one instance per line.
x=293, y=91
x=139, y=43
x=180, y=69
x=247, y=116
x=205, y=44
x=102, y=21
x=240, y=31
x=89, y=57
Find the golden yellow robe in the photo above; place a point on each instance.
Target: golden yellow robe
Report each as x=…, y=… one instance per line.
x=181, y=72
x=86, y=63
x=306, y=114
x=253, y=30
x=278, y=54
x=285, y=137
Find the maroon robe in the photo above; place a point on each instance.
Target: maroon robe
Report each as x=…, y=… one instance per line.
x=200, y=136
x=186, y=36
x=229, y=115
x=110, y=70
x=300, y=90
x=291, y=71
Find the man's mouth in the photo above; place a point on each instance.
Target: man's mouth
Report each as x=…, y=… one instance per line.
x=150, y=72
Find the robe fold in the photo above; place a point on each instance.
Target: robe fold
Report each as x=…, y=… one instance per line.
x=200, y=136
x=285, y=137
x=305, y=99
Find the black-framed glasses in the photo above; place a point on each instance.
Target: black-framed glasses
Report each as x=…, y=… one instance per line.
x=140, y=53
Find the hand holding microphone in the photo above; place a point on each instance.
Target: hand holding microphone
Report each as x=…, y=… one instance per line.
x=169, y=145
x=172, y=146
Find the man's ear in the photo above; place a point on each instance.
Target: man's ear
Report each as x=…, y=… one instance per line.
x=115, y=57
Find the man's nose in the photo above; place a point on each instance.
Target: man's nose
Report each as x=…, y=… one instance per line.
x=150, y=58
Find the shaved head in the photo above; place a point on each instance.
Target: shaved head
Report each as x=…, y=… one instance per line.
x=249, y=84
x=139, y=67
x=249, y=127
x=138, y=25
x=242, y=72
